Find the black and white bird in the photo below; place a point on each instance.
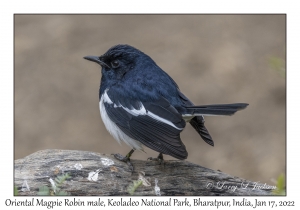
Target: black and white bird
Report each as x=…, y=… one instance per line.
x=140, y=104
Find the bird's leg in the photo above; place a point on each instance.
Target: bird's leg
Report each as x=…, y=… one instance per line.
x=159, y=158
x=125, y=159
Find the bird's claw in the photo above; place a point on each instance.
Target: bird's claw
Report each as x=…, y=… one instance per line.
x=124, y=159
x=159, y=159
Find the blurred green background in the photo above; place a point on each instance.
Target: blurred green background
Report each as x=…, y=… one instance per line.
x=213, y=59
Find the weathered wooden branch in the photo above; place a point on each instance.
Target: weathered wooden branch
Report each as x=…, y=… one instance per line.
x=174, y=177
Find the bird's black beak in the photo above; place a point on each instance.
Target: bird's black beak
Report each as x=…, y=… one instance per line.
x=95, y=59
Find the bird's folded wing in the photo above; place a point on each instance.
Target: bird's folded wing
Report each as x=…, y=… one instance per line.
x=155, y=124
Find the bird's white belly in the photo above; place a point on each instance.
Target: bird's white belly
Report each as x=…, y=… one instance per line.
x=114, y=130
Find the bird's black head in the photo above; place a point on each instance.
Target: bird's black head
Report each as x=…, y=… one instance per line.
x=118, y=60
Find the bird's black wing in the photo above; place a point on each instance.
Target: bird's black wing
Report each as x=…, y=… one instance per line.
x=155, y=124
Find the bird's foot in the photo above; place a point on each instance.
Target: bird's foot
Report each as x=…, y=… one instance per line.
x=125, y=159
x=159, y=159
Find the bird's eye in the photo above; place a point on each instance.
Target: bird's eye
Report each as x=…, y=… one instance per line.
x=115, y=64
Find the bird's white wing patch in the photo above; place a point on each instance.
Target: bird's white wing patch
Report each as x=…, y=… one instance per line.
x=137, y=112
x=115, y=131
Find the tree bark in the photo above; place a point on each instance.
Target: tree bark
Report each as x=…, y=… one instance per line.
x=114, y=177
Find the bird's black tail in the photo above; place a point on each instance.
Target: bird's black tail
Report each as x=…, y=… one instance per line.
x=219, y=109
x=215, y=109
x=198, y=125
